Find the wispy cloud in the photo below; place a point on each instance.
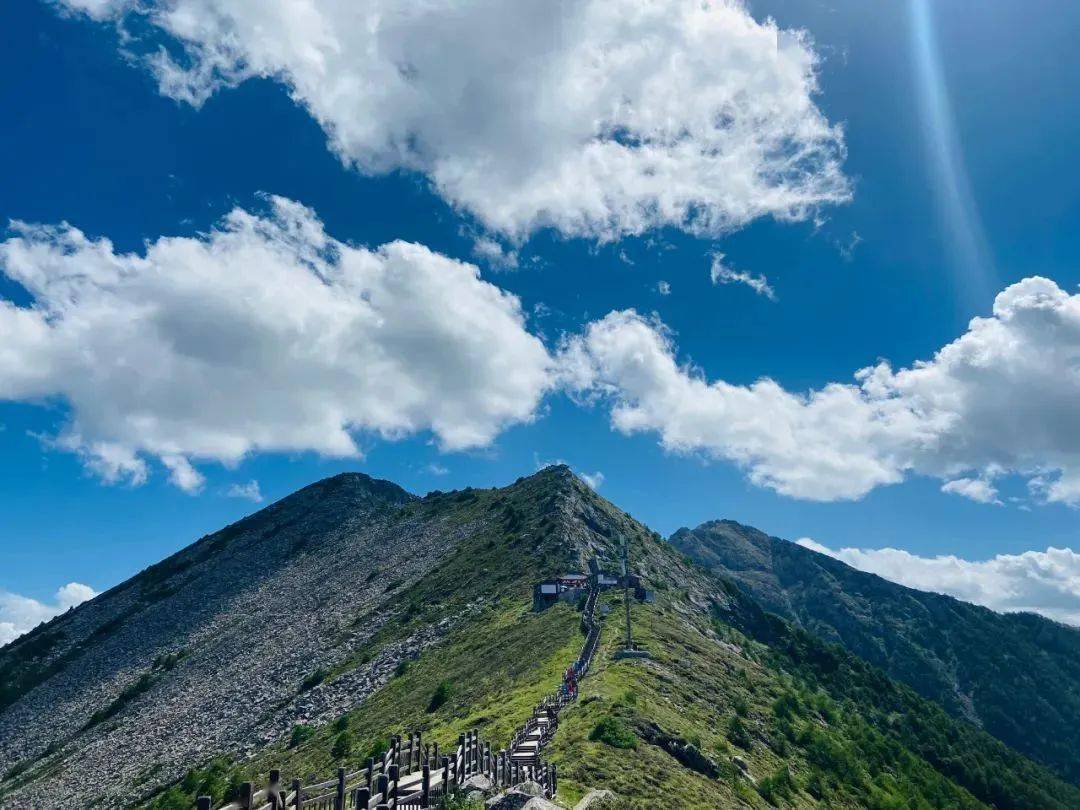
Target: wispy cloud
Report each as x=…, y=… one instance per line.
x=722, y=274
x=249, y=491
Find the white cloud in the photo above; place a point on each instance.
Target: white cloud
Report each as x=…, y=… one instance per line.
x=437, y=469
x=182, y=474
x=975, y=489
x=249, y=491
x=494, y=254
x=722, y=274
x=95, y=9
x=594, y=480
x=598, y=118
x=663, y=288
x=265, y=334
x=20, y=614
x=1000, y=399
x=1046, y=582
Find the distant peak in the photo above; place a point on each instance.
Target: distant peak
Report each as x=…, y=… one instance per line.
x=358, y=483
x=556, y=471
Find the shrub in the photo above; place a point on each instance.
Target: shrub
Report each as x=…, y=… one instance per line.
x=378, y=749
x=314, y=679
x=441, y=695
x=779, y=785
x=613, y=732
x=738, y=734
x=300, y=733
x=342, y=745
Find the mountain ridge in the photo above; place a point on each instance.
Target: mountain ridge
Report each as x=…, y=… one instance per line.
x=300, y=637
x=976, y=663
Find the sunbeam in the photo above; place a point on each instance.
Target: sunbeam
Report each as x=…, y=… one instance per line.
x=969, y=254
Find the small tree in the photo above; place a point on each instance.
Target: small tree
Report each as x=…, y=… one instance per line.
x=342, y=745
x=441, y=695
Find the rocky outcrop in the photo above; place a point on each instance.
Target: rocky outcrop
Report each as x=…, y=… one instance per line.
x=247, y=621
x=685, y=752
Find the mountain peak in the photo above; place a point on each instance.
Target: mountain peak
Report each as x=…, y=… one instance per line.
x=949, y=651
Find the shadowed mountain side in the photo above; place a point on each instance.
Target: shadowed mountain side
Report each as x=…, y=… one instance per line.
x=1017, y=675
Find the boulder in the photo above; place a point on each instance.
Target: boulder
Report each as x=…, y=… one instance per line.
x=478, y=782
x=519, y=799
x=596, y=799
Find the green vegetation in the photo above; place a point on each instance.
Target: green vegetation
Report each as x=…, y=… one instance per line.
x=214, y=780
x=441, y=695
x=126, y=696
x=343, y=745
x=613, y=732
x=735, y=707
x=300, y=733
x=1015, y=674
x=489, y=672
x=314, y=679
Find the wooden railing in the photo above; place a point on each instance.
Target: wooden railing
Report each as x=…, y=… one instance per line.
x=414, y=774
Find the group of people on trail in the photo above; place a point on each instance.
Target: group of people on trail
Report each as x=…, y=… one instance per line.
x=570, y=679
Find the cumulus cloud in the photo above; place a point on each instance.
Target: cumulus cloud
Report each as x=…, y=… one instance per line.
x=999, y=399
x=1045, y=582
x=598, y=118
x=494, y=254
x=722, y=274
x=20, y=614
x=248, y=492
x=975, y=489
x=265, y=334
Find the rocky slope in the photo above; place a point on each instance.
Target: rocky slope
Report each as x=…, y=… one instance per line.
x=206, y=651
x=301, y=637
x=1018, y=676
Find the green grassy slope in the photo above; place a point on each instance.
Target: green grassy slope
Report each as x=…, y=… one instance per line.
x=728, y=684
x=1016, y=675
x=812, y=722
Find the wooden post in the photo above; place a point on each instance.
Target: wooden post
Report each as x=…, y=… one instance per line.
x=489, y=766
x=459, y=763
x=435, y=753
x=425, y=786
x=554, y=779
x=339, y=800
x=476, y=750
x=382, y=782
x=246, y=791
x=273, y=790
x=202, y=803
x=393, y=784
x=446, y=775
x=417, y=759
x=296, y=789
x=363, y=798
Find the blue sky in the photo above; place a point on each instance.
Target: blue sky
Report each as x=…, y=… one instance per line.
x=959, y=136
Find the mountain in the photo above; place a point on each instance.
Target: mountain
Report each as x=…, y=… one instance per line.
x=301, y=637
x=1016, y=675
